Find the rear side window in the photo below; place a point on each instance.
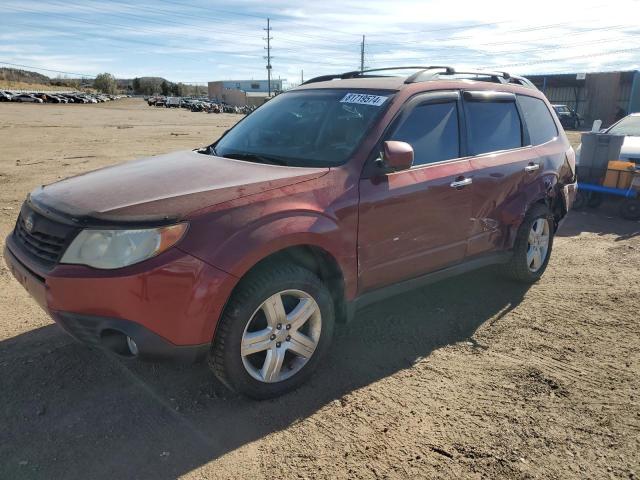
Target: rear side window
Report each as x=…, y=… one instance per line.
x=538, y=119
x=492, y=126
x=432, y=131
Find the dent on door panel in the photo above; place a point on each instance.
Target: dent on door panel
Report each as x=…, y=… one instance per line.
x=499, y=197
x=411, y=223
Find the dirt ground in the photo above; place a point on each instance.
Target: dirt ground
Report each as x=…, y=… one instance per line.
x=474, y=377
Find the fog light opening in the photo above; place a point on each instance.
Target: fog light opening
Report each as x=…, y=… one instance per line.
x=133, y=346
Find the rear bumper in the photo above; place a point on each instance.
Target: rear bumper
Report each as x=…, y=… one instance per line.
x=168, y=305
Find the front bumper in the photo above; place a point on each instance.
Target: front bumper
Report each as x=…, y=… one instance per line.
x=111, y=333
x=169, y=305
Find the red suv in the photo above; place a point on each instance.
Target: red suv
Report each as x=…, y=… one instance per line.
x=335, y=194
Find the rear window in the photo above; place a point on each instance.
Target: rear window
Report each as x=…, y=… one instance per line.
x=432, y=131
x=492, y=126
x=538, y=119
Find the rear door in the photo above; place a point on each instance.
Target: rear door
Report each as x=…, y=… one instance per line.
x=416, y=221
x=503, y=161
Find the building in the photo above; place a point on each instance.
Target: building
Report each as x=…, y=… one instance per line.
x=602, y=96
x=252, y=85
x=243, y=92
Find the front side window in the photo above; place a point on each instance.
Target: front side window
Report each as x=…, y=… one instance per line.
x=432, y=131
x=492, y=126
x=315, y=128
x=538, y=119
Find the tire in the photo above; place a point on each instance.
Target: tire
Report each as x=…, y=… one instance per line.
x=246, y=314
x=520, y=267
x=595, y=199
x=580, y=201
x=630, y=209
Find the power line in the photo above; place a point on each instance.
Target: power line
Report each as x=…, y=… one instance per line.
x=48, y=70
x=544, y=49
x=553, y=60
x=512, y=42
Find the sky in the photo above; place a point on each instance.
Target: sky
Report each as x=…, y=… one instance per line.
x=198, y=41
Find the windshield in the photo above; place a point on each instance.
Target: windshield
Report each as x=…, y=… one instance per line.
x=313, y=128
x=627, y=126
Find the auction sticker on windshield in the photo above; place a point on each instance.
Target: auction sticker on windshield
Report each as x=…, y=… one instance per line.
x=363, y=99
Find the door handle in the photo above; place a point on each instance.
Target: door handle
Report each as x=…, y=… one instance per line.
x=532, y=167
x=461, y=183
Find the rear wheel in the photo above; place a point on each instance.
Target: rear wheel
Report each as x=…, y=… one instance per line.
x=274, y=331
x=532, y=248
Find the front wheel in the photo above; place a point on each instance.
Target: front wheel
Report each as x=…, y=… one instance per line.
x=630, y=209
x=276, y=327
x=532, y=248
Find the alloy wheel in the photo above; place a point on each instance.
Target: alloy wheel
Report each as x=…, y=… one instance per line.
x=538, y=244
x=281, y=336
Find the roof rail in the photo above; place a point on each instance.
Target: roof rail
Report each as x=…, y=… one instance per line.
x=362, y=73
x=426, y=73
x=501, y=77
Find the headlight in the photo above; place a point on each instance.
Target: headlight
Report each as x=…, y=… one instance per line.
x=118, y=248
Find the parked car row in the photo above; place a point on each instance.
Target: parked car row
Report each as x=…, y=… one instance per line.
x=55, y=97
x=197, y=104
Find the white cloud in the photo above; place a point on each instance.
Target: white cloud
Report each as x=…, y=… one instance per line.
x=226, y=40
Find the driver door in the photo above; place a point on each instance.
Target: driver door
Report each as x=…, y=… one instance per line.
x=417, y=221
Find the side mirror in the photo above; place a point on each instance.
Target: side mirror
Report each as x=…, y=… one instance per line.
x=397, y=155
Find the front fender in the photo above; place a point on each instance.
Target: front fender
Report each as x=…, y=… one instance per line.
x=235, y=244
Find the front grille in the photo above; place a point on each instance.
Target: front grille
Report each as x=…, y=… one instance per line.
x=46, y=240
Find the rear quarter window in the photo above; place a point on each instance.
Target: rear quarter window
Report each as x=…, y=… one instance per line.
x=538, y=119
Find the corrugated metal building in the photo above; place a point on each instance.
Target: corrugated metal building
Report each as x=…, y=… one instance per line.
x=602, y=96
x=248, y=85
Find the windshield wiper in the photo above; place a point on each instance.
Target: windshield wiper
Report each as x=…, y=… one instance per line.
x=254, y=157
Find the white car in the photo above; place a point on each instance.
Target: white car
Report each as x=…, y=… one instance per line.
x=629, y=126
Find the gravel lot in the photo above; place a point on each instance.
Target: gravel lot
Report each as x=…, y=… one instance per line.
x=471, y=378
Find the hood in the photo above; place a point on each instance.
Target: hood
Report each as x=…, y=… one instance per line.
x=165, y=187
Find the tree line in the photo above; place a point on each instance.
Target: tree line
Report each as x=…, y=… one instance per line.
x=107, y=83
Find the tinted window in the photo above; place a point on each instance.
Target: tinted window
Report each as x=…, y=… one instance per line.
x=538, y=119
x=492, y=126
x=432, y=131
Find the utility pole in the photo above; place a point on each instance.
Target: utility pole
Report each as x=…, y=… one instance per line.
x=301, y=76
x=362, y=55
x=268, y=57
